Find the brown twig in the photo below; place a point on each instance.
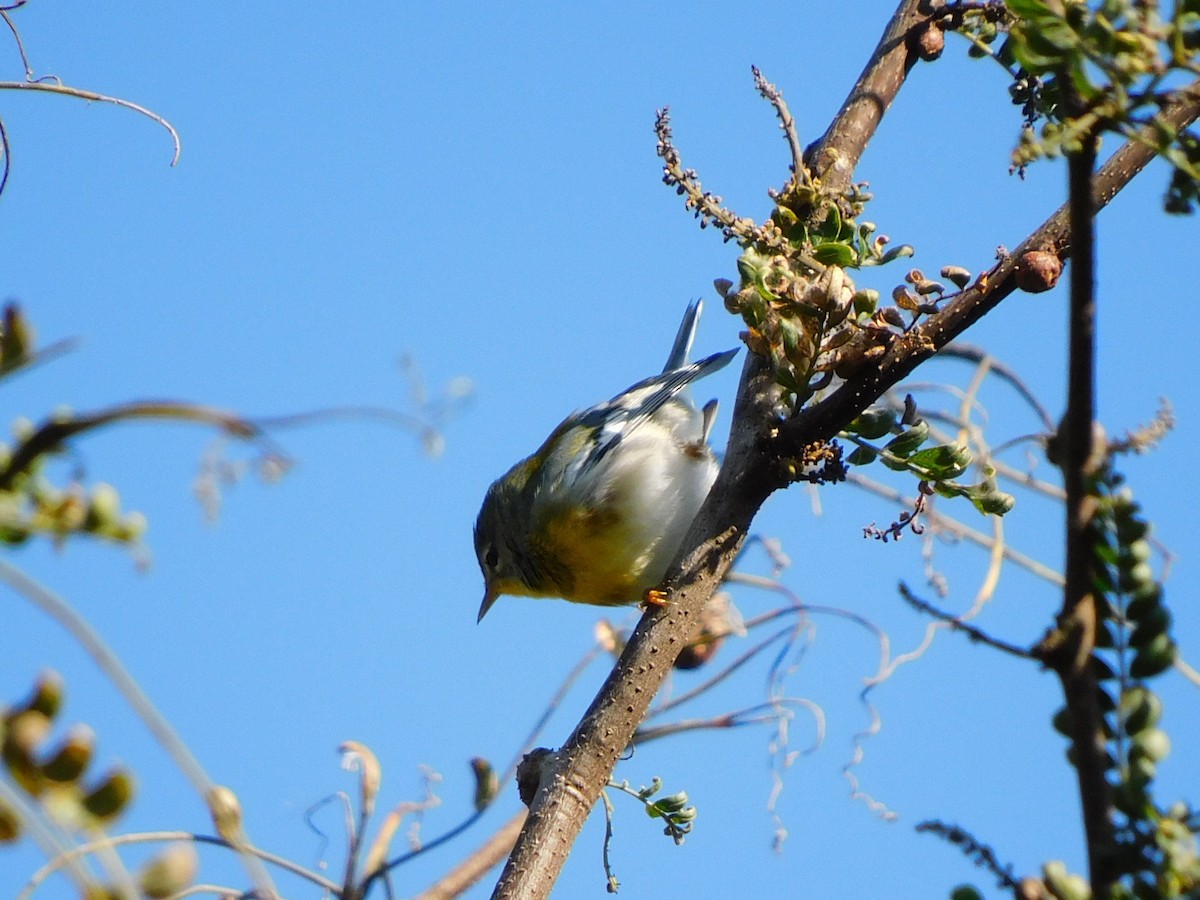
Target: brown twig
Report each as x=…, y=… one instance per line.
x=957, y=529
x=956, y=623
x=751, y=715
x=973, y=354
x=720, y=676
x=53, y=433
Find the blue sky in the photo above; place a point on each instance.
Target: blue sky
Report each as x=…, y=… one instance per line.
x=476, y=186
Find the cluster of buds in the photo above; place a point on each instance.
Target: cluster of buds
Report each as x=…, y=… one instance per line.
x=800, y=321
x=59, y=779
x=38, y=507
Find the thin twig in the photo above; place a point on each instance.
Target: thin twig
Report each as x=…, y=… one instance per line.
x=80, y=93
x=48, y=838
x=971, y=353
x=51, y=434
x=6, y=166
x=555, y=701
x=787, y=122
x=20, y=44
x=958, y=529
x=982, y=854
x=719, y=676
x=566, y=685
x=610, y=879
x=750, y=715
x=956, y=623
x=1187, y=671
x=70, y=856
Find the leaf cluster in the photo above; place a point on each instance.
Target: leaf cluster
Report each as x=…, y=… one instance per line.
x=908, y=449
x=1080, y=70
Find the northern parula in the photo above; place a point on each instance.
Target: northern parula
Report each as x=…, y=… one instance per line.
x=597, y=513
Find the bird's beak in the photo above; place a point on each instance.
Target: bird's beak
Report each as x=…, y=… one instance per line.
x=490, y=594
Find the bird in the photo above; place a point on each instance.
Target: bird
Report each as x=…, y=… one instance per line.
x=596, y=514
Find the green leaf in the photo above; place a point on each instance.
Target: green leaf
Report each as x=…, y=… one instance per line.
x=862, y=456
x=898, y=252
x=753, y=267
x=1154, y=743
x=1028, y=9
x=943, y=461
x=1063, y=722
x=1140, y=709
x=873, y=423
x=1149, y=627
x=835, y=254
x=865, y=301
x=906, y=443
x=989, y=500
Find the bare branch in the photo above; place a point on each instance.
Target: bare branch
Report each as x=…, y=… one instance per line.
x=71, y=856
x=957, y=624
x=1078, y=620
x=68, y=91
x=51, y=434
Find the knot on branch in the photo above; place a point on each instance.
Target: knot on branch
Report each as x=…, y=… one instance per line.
x=532, y=771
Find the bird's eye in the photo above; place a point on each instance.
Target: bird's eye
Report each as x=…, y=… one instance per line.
x=491, y=557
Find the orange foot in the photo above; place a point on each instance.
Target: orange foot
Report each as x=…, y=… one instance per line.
x=655, y=597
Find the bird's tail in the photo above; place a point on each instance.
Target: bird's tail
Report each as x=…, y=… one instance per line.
x=683, y=339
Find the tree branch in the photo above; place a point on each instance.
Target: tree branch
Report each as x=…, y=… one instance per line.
x=834, y=156
x=1078, y=619
x=572, y=778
